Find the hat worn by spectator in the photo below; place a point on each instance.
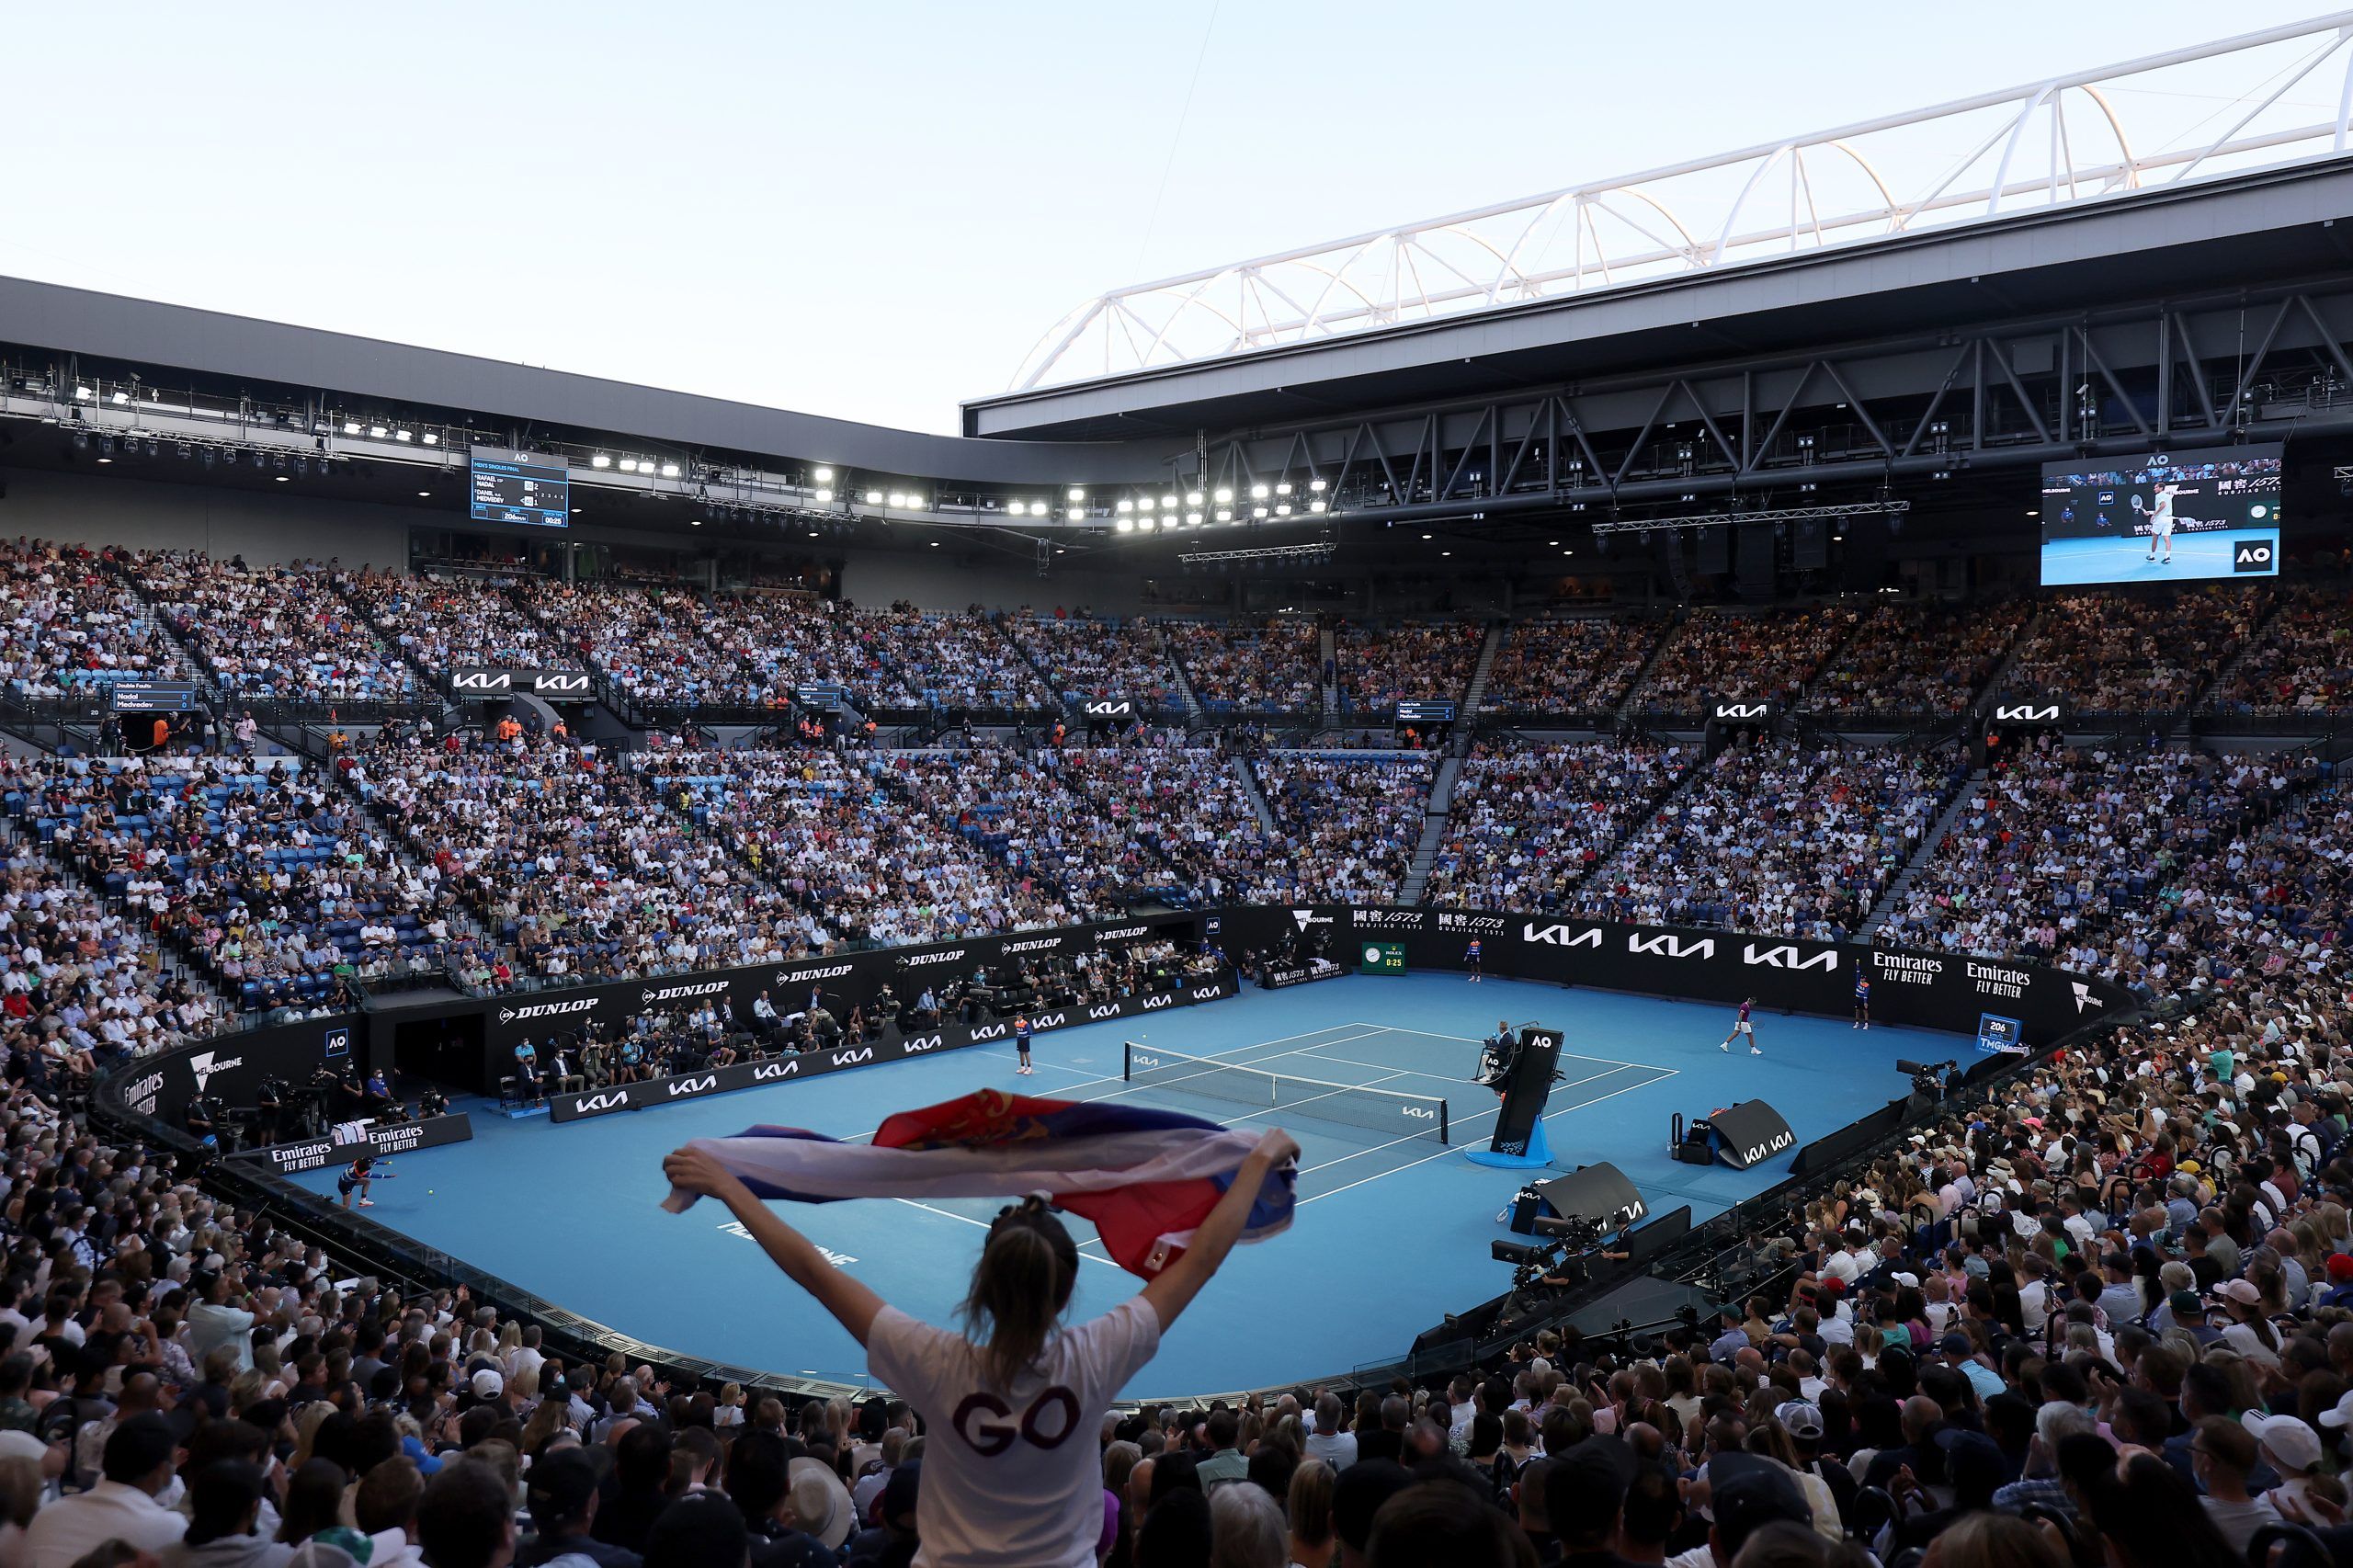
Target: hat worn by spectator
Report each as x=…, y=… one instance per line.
x=2240, y=1290
x=2336, y=1420
x=1747, y=1492
x=1802, y=1418
x=488, y=1385
x=821, y=1504
x=2294, y=1447
x=1955, y=1344
x=699, y=1529
x=1909, y=1281
x=560, y=1486
x=2340, y=1268
x=2187, y=1304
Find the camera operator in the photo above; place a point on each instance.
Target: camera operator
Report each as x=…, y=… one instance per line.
x=202, y=1119
x=270, y=1110
x=432, y=1103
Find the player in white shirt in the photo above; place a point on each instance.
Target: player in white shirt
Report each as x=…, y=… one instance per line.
x=1012, y=1474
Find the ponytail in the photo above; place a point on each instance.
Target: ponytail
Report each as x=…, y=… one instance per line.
x=1020, y=1285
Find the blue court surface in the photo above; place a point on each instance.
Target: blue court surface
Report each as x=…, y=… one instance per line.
x=2124, y=558
x=1391, y=1232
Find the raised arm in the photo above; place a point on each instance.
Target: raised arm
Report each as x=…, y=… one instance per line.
x=698, y=1170
x=1178, y=1284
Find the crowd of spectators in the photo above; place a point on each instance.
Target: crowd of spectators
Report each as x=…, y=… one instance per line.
x=273, y=632
x=68, y=627
x=445, y=622
x=2111, y=653
x=853, y=852
x=1085, y=658
x=1185, y=808
x=2301, y=663
x=1348, y=825
x=1266, y=668
x=264, y=871
x=1777, y=837
x=959, y=661
x=1570, y=666
x=566, y=860
x=650, y=641
x=2057, y=849
x=1528, y=822
x=793, y=640
x=1416, y=661
x=1918, y=659
x=1761, y=655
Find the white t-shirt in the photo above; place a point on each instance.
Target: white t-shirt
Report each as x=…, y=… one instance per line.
x=1011, y=1478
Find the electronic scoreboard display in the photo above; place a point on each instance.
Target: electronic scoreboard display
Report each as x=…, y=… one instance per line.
x=2163, y=518
x=521, y=487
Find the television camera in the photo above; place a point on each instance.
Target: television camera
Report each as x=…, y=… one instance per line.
x=1927, y=1076
x=1535, y=1261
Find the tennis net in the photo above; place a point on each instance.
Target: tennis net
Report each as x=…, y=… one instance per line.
x=1353, y=1104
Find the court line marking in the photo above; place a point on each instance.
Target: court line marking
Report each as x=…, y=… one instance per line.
x=1467, y=1039
x=1663, y=1075
x=983, y=1224
x=1455, y=1121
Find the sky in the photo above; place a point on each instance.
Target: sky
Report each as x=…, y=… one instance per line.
x=875, y=210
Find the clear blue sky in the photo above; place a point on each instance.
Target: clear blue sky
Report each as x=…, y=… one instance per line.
x=871, y=211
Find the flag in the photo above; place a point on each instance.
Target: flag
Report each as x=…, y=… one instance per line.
x=1147, y=1178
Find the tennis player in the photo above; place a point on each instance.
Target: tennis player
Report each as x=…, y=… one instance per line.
x=1741, y=1026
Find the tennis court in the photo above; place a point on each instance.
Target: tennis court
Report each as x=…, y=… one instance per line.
x=1393, y=1225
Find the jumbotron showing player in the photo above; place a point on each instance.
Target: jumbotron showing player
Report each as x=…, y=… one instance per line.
x=2160, y=518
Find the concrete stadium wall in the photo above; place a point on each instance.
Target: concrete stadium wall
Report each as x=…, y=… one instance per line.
x=97, y=510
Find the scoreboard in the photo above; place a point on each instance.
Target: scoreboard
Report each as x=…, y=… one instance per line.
x=521, y=487
x=1382, y=958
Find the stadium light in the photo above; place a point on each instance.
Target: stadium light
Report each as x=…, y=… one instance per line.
x=1146, y=523
x=351, y=427
x=874, y=498
x=1284, y=488
x=1258, y=511
x=1146, y=503
x=823, y=474
x=1315, y=505
x=403, y=435
x=916, y=501
x=824, y=496
x=1193, y=498
x=898, y=498
x=1017, y=508
x=600, y=461
x=1257, y=493
x=1127, y=525
x=1193, y=519
x=83, y=394
x=431, y=440
x=629, y=465
x=1124, y=507
x=669, y=471
x=1224, y=494
x=1168, y=502
x=376, y=432
x=121, y=400
x=1317, y=485
x=1077, y=492
x=1225, y=513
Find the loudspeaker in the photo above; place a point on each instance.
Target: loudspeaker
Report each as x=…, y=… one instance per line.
x=1750, y=1132
x=1590, y=1192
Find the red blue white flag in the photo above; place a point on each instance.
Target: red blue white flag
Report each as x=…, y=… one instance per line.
x=1145, y=1178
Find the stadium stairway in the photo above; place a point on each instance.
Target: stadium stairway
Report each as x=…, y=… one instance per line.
x=1993, y=682
x=1251, y=787
x=1328, y=664
x=1476, y=692
x=179, y=958
x=1435, y=812
x=1634, y=687
x=1901, y=885
x=2227, y=671
x=1185, y=688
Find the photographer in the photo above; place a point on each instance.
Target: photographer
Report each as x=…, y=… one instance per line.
x=270, y=1110
x=202, y=1119
x=432, y=1103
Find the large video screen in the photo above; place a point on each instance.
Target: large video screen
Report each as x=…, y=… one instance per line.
x=521, y=487
x=2166, y=517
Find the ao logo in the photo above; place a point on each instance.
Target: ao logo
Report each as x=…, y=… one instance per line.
x=2251, y=556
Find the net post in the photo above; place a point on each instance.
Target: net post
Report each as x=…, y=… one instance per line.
x=1126, y=1061
x=1444, y=1136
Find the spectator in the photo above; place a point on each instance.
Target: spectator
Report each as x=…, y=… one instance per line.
x=121, y=1506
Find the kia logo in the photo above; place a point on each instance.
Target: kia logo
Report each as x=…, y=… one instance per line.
x=1151, y=1002
x=2023, y=713
x=475, y=681
x=599, y=1102
x=1109, y=709
x=768, y=1070
x=1107, y=1010
x=1743, y=709
x=1786, y=957
x=852, y=1057
x=1420, y=1113
x=922, y=1043
x=559, y=683
x=989, y=1031
x=703, y=1084
x=1562, y=935
x=1672, y=946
